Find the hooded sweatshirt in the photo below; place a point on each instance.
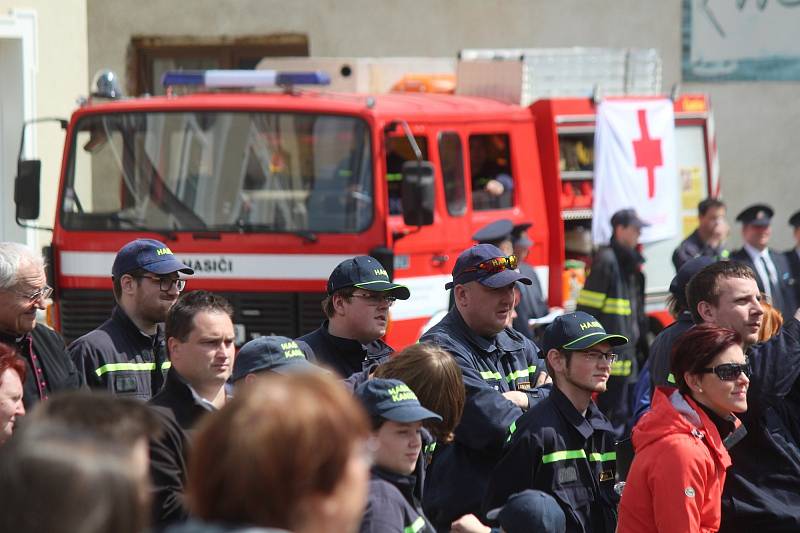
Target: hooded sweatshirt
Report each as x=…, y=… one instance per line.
x=676, y=479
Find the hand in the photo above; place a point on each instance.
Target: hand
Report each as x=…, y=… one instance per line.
x=543, y=379
x=518, y=398
x=469, y=523
x=494, y=187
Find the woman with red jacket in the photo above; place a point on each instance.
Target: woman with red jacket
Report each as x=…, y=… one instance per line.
x=676, y=479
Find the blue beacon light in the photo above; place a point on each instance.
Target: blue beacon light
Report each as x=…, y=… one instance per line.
x=243, y=78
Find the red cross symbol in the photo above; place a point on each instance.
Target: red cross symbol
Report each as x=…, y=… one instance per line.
x=648, y=153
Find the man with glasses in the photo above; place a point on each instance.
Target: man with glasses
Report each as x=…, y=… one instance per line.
x=357, y=306
x=126, y=355
x=23, y=293
x=501, y=371
x=564, y=446
x=762, y=488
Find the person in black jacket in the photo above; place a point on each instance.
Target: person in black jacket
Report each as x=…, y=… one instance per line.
x=397, y=418
x=708, y=239
x=23, y=293
x=793, y=255
x=761, y=488
x=357, y=306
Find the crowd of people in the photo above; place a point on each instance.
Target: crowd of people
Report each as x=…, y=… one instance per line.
x=153, y=421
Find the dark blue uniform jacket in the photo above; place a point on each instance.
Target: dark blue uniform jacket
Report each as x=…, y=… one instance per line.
x=345, y=356
x=457, y=476
x=557, y=450
x=392, y=506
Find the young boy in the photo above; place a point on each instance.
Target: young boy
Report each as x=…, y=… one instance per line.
x=396, y=423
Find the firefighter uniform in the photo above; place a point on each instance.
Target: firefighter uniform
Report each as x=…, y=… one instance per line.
x=614, y=294
x=456, y=478
x=557, y=450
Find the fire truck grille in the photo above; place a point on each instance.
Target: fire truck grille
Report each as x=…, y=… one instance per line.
x=284, y=313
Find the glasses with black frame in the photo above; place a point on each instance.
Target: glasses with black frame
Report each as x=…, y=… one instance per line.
x=376, y=298
x=495, y=265
x=728, y=371
x=165, y=284
x=35, y=296
x=594, y=355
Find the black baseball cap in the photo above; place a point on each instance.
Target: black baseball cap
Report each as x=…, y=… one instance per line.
x=756, y=215
x=627, y=217
x=151, y=255
x=393, y=400
x=472, y=257
x=794, y=220
x=530, y=510
x=687, y=271
x=577, y=331
x=274, y=353
x=366, y=273
x=495, y=232
x=519, y=236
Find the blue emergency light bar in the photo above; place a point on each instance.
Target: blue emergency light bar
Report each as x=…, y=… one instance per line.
x=243, y=78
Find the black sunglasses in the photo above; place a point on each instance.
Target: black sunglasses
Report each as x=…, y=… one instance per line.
x=728, y=371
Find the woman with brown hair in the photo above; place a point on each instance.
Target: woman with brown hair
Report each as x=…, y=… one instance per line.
x=289, y=453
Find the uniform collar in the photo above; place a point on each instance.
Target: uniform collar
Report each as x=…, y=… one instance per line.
x=755, y=254
x=404, y=484
x=507, y=340
x=585, y=425
x=119, y=315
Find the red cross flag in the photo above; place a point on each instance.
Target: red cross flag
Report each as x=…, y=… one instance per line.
x=634, y=166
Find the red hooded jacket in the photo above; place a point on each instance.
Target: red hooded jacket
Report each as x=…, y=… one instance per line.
x=676, y=479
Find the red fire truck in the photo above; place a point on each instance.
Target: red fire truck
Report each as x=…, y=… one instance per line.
x=264, y=193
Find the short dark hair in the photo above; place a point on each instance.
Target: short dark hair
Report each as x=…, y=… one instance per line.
x=180, y=319
x=694, y=350
x=136, y=274
x=567, y=354
x=704, y=286
x=709, y=203
x=327, y=302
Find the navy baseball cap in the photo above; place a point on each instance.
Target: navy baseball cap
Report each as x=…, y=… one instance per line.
x=756, y=215
x=519, y=235
x=495, y=232
x=393, y=400
x=149, y=254
x=687, y=271
x=274, y=353
x=366, y=273
x=577, y=331
x=530, y=510
x=465, y=269
x=627, y=217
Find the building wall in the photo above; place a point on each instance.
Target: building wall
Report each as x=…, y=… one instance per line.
x=59, y=74
x=756, y=122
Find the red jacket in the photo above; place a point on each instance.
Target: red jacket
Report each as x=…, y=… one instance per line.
x=676, y=479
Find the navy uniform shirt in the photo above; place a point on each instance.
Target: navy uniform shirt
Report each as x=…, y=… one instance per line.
x=557, y=450
x=693, y=246
x=392, y=506
x=456, y=477
x=345, y=356
x=119, y=358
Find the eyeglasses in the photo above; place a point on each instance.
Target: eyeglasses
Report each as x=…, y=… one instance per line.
x=377, y=299
x=42, y=294
x=728, y=371
x=165, y=284
x=595, y=355
x=494, y=265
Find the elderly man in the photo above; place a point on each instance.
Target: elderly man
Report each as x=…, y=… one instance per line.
x=501, y=370
x=23, y=293
x=126, y=355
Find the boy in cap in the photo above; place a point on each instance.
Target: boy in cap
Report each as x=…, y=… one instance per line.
x=397, y=418
x=501, y=371
x=357, y=306
x=126, y=355
x=564, y=446
x=614, y=294
x=271, y=353
x=793, y=255
x=772, y=270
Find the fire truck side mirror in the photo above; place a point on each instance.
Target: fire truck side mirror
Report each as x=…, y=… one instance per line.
x=418, y=193
x=26, y=189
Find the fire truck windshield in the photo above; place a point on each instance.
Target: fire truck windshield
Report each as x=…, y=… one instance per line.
x=219, y=171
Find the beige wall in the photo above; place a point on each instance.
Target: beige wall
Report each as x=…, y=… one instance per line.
x=60, y=77
x=756, y=122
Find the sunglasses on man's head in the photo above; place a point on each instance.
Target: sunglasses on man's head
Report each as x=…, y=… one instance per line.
x=728, y=371
x=494, y=265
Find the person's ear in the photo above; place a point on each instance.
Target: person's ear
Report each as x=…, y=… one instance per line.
x=460, y=294
x=693, y=381
x=128, y=284
x=338, y=303
x=556, y=360
x=173, y=348
x=706, y=311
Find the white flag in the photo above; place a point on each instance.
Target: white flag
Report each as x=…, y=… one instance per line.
x=634, y=166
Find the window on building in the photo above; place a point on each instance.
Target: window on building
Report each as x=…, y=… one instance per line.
x=451, y=156
x=490, y=171
x=153, y=56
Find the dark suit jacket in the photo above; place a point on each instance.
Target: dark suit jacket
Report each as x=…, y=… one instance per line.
x=785, y=301
x=794, y=268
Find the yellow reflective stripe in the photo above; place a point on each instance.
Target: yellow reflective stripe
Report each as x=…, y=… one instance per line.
x=166, y=365
x=511, y=429
x=394, y=176
x=121, y=367
x=591, y=298
x=671, y=378
x=488, y=374
x=430, y=448
x=608, y=456
x=617, y=306
x=621, y=368
x=415, y=526
x=523, y=373
x=563, y=456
